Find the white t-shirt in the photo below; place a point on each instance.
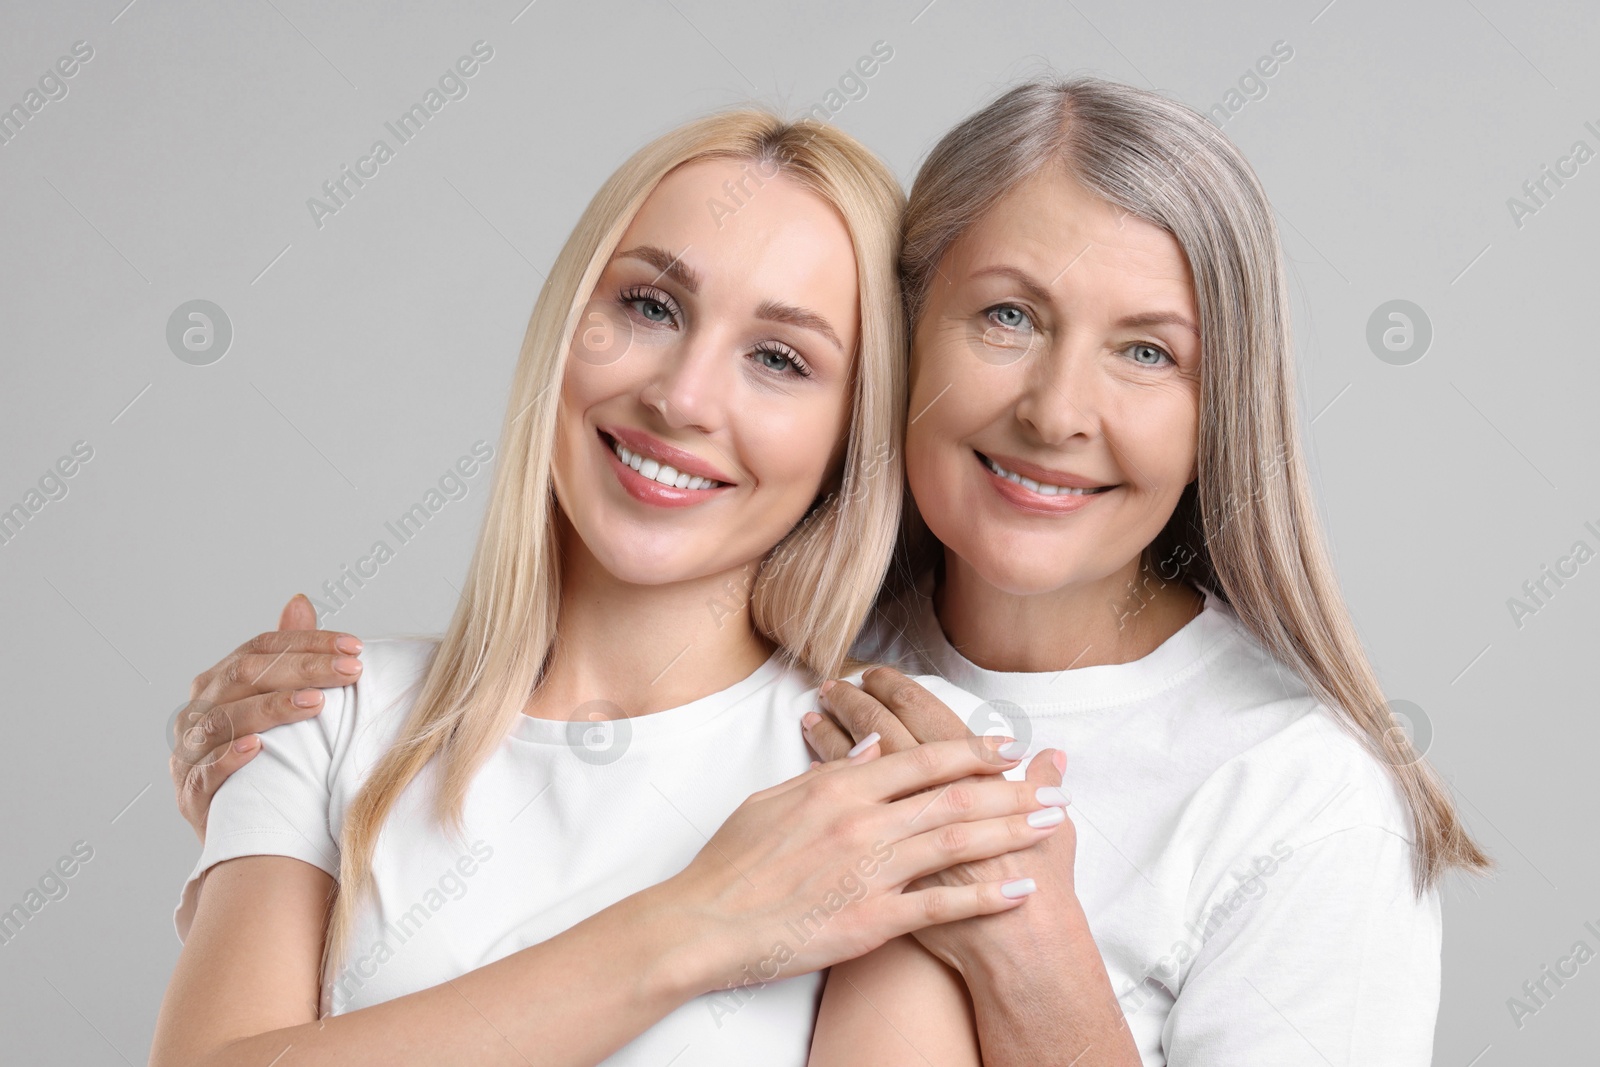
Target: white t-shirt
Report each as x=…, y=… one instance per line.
x=1244, y=864
x=565, y=819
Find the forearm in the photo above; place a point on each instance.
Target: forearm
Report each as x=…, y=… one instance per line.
x=1041, y=996
x=573, y=999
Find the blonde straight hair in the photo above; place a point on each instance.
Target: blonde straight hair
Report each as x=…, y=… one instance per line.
x=1246, y=528
x=811, y=593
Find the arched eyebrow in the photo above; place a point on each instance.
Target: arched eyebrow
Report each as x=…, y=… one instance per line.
x=667, y=263
x=804, y=318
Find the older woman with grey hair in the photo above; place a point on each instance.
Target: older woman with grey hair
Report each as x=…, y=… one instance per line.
x=1113, y=546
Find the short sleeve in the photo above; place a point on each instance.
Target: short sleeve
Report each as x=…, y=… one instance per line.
x=278, y=804
x=1323, y=955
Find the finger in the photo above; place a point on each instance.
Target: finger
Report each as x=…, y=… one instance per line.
x=972, y=799
x=246, y=674
x=920, y=908
x=298, y=614
x=934, y=763
x=201, y=731
x=199, y=783
x=825, y=737
x=970, y=842
x=859, y=715
x=1045, y=772
x=924, y=715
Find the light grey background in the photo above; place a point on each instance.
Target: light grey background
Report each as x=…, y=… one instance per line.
x=369, y=354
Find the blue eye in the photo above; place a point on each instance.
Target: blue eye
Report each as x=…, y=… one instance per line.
x=1008, y=315
x=652, y=305
x=1148, y=355
x=653, y=310
x=779, y=361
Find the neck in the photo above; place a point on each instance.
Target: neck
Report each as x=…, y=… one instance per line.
x=1119, y=618
x=645, y=648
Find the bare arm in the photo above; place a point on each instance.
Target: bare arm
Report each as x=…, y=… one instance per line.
x=897, y=1005
x=246, y=987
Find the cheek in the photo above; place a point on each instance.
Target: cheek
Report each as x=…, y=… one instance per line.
x=1158, y=441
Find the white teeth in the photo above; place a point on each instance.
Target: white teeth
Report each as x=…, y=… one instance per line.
x=1042, y=488
x=660, y=472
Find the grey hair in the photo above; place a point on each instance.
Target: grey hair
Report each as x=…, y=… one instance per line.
x=1246, y=528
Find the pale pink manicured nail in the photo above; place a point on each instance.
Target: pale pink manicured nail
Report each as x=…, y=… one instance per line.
x=810, y=719
x=1046, y=817
x=347, y=665
x=1019, y=887
x=863, y=744
x=1053, y=796
x=1013, y=750
x=1059, y=758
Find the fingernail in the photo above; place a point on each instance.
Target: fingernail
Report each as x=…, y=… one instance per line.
x=862, y=745
x=1046, y=817
x=1019, y=887
x=1013, y=749
x=810, y=719
x=1053, y=796
x=307, y=698
x=829, y=684
x=1059, y=758
x=350, y=646
x=245, y=744
x=346, y=665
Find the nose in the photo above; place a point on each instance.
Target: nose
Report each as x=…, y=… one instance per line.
x=693, y=383
x=1061, y=395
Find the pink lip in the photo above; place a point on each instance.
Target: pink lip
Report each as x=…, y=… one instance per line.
x=1043, y=474
x=649, y=491
x=1026, y=499
x=665, y=454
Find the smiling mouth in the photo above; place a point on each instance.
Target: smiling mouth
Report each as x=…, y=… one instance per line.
x=1042, y=488
x=657, y=471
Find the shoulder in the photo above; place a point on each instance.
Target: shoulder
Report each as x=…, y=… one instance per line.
x=1281, y=763
x=369, y=709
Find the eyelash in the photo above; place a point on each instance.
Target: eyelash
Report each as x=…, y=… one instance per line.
x=645, y=294
x=989, y=312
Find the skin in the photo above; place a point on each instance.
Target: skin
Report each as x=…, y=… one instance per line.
x=245, y=986
x=1070, y=386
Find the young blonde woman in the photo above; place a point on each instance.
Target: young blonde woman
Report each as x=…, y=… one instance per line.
x=698, y=400
x=1114, y=547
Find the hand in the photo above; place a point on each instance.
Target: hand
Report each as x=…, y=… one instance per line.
x=273, y=678
x=906, y=715
x=815, y=871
